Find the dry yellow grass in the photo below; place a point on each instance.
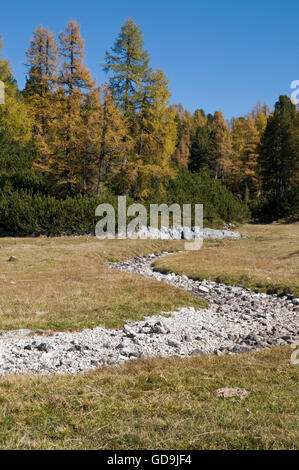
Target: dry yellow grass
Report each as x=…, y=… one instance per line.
x=146, y=404
x=67, y=278
x=268, y=260
x=157, y=404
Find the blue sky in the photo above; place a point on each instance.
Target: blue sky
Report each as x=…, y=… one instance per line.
x=218, y=55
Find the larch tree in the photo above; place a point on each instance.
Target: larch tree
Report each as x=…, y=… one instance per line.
x=249, y=166
x=260, y=115
x=115, y=143
x=15, y=121
x=143, y=97
x=221, y=144
x=128, y=68
x=199, y=119
x=40, y=93
x=74, y=84
x=88, y=137
x=157, y=133
x=245, y=179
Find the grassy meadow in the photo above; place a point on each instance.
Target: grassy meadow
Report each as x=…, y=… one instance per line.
x=68, y=279
x=154, y=403
x=268, y=260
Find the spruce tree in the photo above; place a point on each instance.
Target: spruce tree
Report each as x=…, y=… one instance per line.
x=183, y=121
x=201, y=150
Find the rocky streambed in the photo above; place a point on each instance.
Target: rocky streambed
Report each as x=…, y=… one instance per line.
x=238, y=320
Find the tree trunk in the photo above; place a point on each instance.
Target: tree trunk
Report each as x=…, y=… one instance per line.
x=141, y=142
x=100, y=178
x=102, y=152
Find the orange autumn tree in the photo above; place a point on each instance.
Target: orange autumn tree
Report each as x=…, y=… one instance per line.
x=40, y=91
x=245, y=172
x=74, y=86
x=221, y=146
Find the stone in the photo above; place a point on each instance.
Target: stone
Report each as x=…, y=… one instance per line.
x=75, y=347
x=174, y=343
x=239, y=348
x=197, y=352
x=129, y=332
x=227, y=392
x=42, y=347
x=203, y=289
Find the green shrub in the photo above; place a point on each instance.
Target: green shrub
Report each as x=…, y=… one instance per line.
x=192, y=188
x=24, y=214
x=268, y=207
x=26, y=208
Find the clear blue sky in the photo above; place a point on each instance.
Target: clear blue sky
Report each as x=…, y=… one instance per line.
x=218, y=55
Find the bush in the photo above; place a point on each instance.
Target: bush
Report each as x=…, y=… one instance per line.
x=27, y=209
x=192, y=188
x=22, y=213
x=269, y=207
x=26, y=180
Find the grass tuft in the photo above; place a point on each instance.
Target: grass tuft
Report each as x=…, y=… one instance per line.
x=267, y=261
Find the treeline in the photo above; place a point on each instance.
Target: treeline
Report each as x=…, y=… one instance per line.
x=256, y=157
x=64, y=137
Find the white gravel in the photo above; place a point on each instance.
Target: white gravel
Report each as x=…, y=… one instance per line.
x=237, y=320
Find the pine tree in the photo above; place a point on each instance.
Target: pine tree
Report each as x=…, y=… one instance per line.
x=40, y=89
x=278, y=152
